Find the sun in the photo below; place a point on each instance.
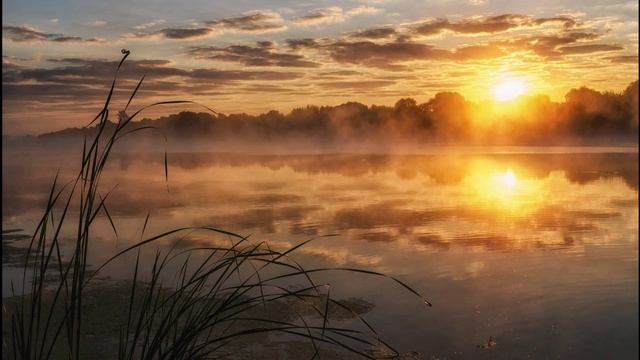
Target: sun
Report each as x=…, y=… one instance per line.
x=509, y=89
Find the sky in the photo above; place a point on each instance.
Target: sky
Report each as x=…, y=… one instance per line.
x=253, y=56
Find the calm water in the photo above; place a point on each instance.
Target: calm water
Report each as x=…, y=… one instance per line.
x=539, y=251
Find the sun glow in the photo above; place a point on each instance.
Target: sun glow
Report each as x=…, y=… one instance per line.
x=508, y=89
x=503, y=189
x=506, y=179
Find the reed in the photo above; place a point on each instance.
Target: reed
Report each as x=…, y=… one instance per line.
x=219, y=295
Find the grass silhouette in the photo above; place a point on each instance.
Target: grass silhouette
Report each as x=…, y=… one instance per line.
x=219, y=294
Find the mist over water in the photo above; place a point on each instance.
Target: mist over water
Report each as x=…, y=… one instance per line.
x=530, y=248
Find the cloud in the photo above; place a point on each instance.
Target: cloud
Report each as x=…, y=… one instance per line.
x=381, y=55
x=296, y=44
x=236, y=75
x=261, y=55
x=394, y=46
x=566, y=21
x=625, y=59
x=186, y=33
x=376, y=33
x=148, y=24
x=266, y=44
x=356, y=85
x=395, y=49
x=266, y=89
x=28, y=34
x=590, y=48
x=87, y=79
x=67, y=39
x=174, y=34
x=339, y=73
x=92, y=71
x=252, y=22
x=7, y=64
x=333, y=14
x=548, y=46
x=101, y=69
x=49, y=92
x=328, y=15
x=389, y=55
x=487, y=24
x=363, y=10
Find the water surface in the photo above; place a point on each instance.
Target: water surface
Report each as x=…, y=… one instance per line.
x=537, y=250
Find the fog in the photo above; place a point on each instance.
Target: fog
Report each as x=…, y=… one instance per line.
x=585, y=117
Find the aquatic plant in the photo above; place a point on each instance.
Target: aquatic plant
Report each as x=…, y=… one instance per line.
x=224, y=294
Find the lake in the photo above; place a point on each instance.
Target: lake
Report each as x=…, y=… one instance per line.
x=536, y=249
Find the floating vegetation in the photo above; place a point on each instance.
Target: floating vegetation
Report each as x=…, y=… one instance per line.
x=489, y=344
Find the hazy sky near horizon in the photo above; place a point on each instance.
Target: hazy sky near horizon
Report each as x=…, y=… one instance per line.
x=253, y=56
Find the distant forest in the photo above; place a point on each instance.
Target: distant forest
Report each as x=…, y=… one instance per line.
x=586, y=117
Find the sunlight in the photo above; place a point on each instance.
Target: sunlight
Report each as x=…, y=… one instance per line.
x=502, y=186
x=508, y=89
x=489, y=185
x=507, y=179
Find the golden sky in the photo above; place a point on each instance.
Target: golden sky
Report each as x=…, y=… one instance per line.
x=254, y=56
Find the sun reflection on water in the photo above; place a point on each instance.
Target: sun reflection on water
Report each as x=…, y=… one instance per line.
x=494, y=186
x=507, y=179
